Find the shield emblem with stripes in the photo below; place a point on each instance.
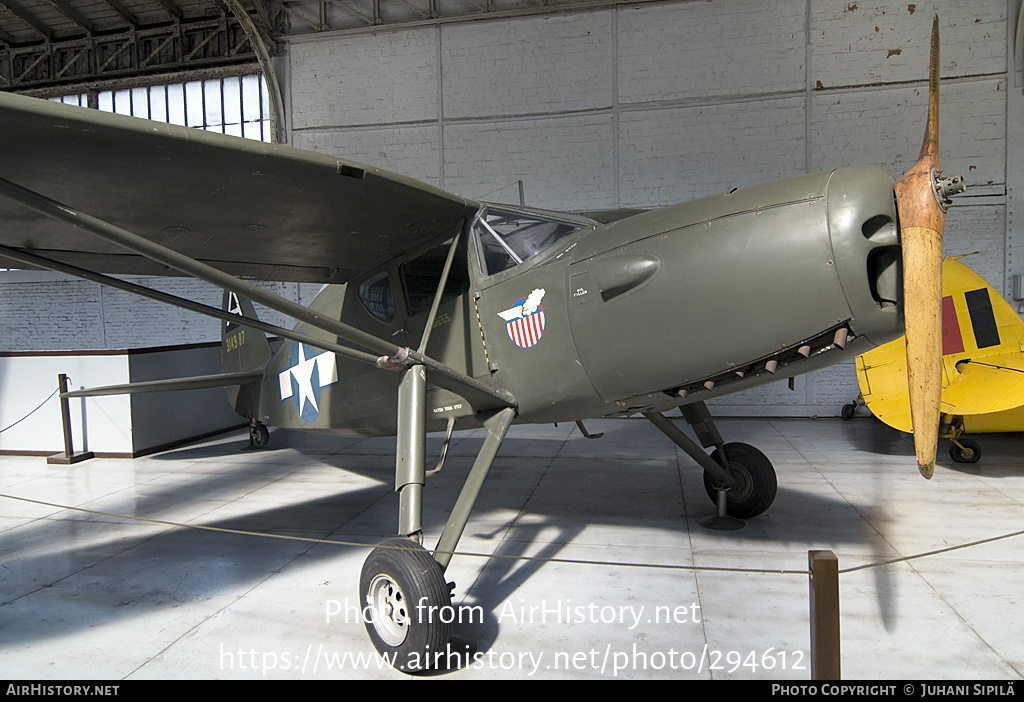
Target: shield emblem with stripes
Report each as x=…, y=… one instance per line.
x=526, y=331
x=525, y=320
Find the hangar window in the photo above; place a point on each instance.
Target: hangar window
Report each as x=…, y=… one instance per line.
x=236, y=105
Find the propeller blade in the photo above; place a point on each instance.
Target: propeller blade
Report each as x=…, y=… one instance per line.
x=922, y=197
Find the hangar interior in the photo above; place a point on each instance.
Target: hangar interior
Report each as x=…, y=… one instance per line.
x=571, y=102
x=586, y=106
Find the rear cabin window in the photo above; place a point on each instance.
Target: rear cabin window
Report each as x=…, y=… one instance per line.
x=375, y=294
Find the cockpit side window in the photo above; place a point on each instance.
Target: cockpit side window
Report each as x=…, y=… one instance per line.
x=508, y=238
x=376, y=296
x=421, y=275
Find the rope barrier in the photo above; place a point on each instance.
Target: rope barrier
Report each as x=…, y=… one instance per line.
x=571, y=561
x=32, y=412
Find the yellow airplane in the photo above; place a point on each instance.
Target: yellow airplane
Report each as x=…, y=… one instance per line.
x=982, y=366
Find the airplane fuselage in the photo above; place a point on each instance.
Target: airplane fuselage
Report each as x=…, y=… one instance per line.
x=577, y=319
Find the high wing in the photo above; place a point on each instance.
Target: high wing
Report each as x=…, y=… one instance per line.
x=254, y=210
x=983, y=356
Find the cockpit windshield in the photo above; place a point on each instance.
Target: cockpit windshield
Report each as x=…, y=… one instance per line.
x=507, y=238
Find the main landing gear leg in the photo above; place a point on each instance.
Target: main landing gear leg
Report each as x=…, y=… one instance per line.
x=738, y=478
x=402, y=586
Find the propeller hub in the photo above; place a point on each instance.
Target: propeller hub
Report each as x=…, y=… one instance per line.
x=945, y=188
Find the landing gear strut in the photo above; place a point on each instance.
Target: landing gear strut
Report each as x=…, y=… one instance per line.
x=964, y=450
x=738, y=478
x=755, y=477
x=402, y=586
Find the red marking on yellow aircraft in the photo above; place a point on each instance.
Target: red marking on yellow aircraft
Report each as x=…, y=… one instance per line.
x=952, y=339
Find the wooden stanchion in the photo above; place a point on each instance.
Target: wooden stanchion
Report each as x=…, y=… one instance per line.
x=825, y=644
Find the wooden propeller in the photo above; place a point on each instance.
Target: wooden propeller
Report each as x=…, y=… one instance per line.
x=922, y=197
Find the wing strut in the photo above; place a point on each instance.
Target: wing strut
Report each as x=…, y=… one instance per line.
x=392, y=357
x=437, y=295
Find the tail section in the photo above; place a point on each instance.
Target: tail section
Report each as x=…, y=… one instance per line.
x=242, y=350
x=982, y=355
x=983, y=345
x=977, y=320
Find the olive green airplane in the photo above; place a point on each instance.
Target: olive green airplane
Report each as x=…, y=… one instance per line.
x=439, y=312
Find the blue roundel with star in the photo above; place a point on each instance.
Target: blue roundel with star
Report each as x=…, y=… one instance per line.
x=311, y=369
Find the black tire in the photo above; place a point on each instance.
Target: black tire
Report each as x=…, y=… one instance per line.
x=849, y=411
x=259, y=435
x=970, y=453
x=406, y=603
x=758, y=483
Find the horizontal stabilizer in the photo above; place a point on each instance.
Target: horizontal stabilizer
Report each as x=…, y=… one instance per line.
x=992, y=384
x=199, y=382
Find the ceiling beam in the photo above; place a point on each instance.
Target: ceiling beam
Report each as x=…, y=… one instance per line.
x=72, y=15
x=120, y=9
x=28, y=19
x=172, y=9
x=5, y=37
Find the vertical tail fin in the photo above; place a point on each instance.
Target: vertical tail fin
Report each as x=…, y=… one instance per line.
x=242, y=349
x=976, y=319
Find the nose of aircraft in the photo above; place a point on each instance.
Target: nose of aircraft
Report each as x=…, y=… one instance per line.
x=737, y=287
x=864, y=231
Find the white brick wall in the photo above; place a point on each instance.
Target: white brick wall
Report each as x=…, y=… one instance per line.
x=670, y=155
x=552, y=156
x=980, y=229
x=412, y=150
x=884, y=127
x=50, y=314
x=537, y=65
x=388, y=77
x=710, y=49
x=42, y=312
x=867, y=43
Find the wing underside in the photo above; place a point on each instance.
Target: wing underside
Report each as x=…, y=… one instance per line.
x=251, y=209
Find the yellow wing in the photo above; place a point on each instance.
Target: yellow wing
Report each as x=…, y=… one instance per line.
x=882, y=375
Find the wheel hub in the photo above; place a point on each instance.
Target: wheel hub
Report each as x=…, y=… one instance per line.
x=388, y=610
x=744, y=485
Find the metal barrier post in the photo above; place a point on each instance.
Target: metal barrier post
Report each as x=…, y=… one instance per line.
x=69, y=456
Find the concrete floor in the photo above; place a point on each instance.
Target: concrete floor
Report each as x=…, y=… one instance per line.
x=87, y=595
